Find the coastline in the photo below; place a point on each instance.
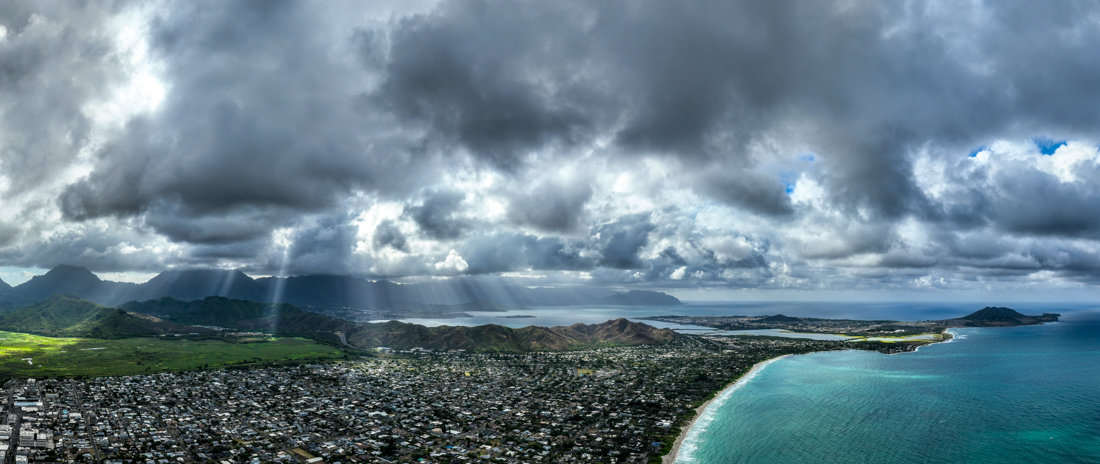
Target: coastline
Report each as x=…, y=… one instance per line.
x=670, y=458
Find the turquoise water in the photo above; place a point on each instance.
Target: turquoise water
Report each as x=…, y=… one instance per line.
x=1023, y=394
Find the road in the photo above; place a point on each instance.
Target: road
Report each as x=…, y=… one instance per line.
x=344, y=341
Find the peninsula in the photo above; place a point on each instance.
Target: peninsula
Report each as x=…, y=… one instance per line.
x=881, y=331
x=985, y=317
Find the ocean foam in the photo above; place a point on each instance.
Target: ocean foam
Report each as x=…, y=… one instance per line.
x=691, y=440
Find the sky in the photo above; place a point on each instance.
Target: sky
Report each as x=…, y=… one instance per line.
x=772, y=149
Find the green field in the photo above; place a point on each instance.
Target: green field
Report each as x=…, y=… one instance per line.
x=67, y=357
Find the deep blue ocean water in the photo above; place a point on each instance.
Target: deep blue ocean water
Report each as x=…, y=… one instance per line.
x=993, y=395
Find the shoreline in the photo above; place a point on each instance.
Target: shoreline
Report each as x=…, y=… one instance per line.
x=670, y=458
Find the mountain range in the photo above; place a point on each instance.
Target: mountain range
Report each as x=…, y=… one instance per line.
x=286, y=319
x=239, y=314
x=67, y=316
x=315, y=290
x=492, y=337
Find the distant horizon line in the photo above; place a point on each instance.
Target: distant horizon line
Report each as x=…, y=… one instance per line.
x=15, y=276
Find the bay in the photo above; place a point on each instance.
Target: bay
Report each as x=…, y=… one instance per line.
x=993, y=395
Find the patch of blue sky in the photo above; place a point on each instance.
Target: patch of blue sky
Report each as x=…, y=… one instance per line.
x=1048, y=146
x=788, y=179
x=974, y=152
x=808, y=157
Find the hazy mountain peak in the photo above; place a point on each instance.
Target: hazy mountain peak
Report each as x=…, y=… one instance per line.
x=70, y=316
x=67, y=271
x=60, y=279
x=323, y=290
x=196, y=284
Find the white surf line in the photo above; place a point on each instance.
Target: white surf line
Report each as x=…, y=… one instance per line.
x=688, y=442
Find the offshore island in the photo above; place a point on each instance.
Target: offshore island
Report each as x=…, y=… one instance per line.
x=221, y=379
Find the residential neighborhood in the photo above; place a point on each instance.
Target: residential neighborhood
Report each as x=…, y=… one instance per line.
x=607, y=405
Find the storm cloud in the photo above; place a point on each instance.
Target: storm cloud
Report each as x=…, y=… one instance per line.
x=747, y=144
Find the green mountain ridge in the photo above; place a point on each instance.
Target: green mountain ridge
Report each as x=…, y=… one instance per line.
x=67, y=316
x=289, y=320
x=238, y=314
x=496, y=338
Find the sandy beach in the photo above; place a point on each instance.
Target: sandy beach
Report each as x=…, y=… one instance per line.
x=670, y=458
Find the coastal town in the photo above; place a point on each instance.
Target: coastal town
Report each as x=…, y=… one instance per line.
x=985, y=317
x=607, y=405
x=805, y=325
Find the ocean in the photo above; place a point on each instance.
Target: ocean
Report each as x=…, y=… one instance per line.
x=992, y=395
x=548, y=316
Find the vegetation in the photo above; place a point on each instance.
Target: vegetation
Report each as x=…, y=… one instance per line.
x=992, y=316
x=57, y=315
x=285, y=319
x=27, y=355
x=495, y=338
x=239, y=314
x=66, y=316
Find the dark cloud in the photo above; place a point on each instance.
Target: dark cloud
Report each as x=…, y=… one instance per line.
x=633, y=141
x=551, y=206
x=622, y=240
x=749, y=190
x=259, y=123
x=238, y=225
x=494, y=253
x=714, y=81
x=438, y=215
x=101, y=250
x=324, y=248
x=669, y=254
x=233, y=251
x=388, y=235
x=44, y=125
x=1034, y=202
x=555, y=254
x=492, y=77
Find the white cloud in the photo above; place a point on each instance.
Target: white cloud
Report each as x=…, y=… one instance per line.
x=453, y=263
x=678, y=274
x=130, y=145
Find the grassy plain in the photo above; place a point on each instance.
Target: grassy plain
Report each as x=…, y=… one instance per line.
x=26, y=355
